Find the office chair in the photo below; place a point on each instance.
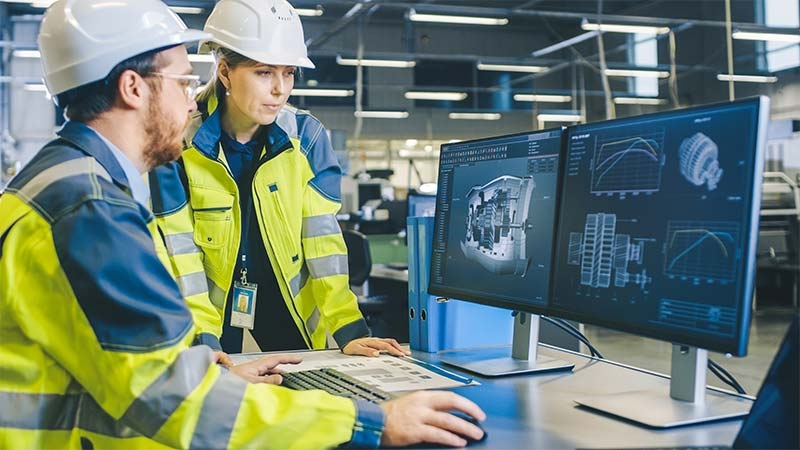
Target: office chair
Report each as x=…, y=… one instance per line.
x=359, y=265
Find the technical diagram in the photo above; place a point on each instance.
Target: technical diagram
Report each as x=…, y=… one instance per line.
x=702, y=250
x=496, y=224
x=628, y=164
x=602, y=254
x=699, y=164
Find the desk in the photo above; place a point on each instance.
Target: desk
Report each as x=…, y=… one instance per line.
x=537, y=411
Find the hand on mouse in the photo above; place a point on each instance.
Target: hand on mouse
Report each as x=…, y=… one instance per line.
x=424, y=417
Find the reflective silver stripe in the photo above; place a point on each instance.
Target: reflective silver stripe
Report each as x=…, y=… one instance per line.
x=181, y=244
x=66, y=169
x=159, y=401
x=218, y=416
x=327, y=266
x=54, y=412
x=320, y=226
x=299, y=280
x=193, y=284
x=313, y=321
x=216, y=294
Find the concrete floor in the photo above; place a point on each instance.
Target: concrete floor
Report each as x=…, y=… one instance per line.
x=767, y=330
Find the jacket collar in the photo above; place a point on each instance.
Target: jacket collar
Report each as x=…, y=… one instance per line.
x=207, y=136
x=86, y=139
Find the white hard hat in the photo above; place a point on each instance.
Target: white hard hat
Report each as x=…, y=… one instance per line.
x=82, y=40
x=267, y=31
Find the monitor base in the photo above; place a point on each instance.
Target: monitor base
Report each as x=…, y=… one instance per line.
x=495, y=362
x=654, y=408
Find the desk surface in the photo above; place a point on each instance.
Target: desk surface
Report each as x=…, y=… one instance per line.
x=537, y=411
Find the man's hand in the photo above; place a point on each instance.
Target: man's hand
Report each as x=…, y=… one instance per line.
x=263, y=370
x=372, y=346
x=423, y=417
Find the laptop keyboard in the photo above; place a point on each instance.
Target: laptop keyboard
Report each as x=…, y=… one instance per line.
x=334, y=382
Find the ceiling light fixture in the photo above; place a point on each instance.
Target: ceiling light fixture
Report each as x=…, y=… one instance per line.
x=300, y=92
x=747, y=78
x=375, y=62
x=187, y=9
x=510, y=68
x=467, y=20
x=622, y=28
x=204, y=58
x=639, y=101
x=564, y=44
x=422, y=95
x=475, y=116
x=27, y=54
x=549, y=117
x=381, y=114
x=759, y=36
x=641, y=73
x=544, y=98
x=310, y=12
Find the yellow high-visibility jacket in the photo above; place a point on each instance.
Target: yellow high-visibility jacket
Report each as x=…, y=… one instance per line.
x=296, y=193
x=95, y=335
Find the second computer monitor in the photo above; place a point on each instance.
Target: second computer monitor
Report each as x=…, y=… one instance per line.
x=658, y=224
x=494, y=220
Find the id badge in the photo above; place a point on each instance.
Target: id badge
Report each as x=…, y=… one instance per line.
x=243, y=310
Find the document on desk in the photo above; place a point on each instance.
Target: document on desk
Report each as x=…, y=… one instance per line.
x=388, y=373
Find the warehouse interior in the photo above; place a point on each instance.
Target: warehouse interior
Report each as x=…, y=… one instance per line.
x=392, y=84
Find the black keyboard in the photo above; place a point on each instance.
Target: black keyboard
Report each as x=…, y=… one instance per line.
x=334, y=382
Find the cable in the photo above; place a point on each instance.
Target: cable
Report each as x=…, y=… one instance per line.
x=725, y=376
x=574, y=332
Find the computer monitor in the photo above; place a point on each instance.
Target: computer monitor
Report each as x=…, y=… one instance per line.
x=421, y=205
x=493, y=237
x=656, y=236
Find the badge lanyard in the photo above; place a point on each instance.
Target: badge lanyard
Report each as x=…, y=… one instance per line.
x=243, y=310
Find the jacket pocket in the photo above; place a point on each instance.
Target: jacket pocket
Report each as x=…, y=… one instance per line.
x=213, y=225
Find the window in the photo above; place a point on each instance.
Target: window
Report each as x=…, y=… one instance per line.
x=643, y=53
x=786, y=14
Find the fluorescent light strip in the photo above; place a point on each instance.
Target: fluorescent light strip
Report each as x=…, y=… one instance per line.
x=468, y=20
x=639, y=101
x=309, y=12
x=27, y=54
x=511, y=68
x=564, y=44
x=637, y=73
x=206, y=58
x=475, y=116
x=375, y=62
x=381, y=114
x=558, y=117
x=747, y=78
x=187, y=9
x=299, y=92
x=621, y=28
x=774, y=37
x=35, y=87
x=544, y=98
x=452, y=96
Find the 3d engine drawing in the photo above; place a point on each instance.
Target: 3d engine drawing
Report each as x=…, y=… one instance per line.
x=496, y=224
x=699, y=163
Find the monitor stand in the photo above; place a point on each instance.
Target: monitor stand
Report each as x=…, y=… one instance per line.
x=493, y=362
x=688, y=403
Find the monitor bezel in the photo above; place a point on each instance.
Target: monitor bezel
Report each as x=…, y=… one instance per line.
x=737, y=344
x=451, y=292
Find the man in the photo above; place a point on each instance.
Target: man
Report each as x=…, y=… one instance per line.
x=95, y=334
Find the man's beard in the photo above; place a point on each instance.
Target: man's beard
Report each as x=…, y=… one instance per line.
x=164, y=138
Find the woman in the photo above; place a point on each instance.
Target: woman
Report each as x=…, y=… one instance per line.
x=263, y=190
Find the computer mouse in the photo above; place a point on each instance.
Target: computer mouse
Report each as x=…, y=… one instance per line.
x=473, y=421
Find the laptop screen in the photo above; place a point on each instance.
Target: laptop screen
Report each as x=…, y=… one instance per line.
x=773, y=419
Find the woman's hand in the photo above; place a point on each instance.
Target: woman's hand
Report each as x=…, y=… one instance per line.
x=263, y=370
x=373, y=346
